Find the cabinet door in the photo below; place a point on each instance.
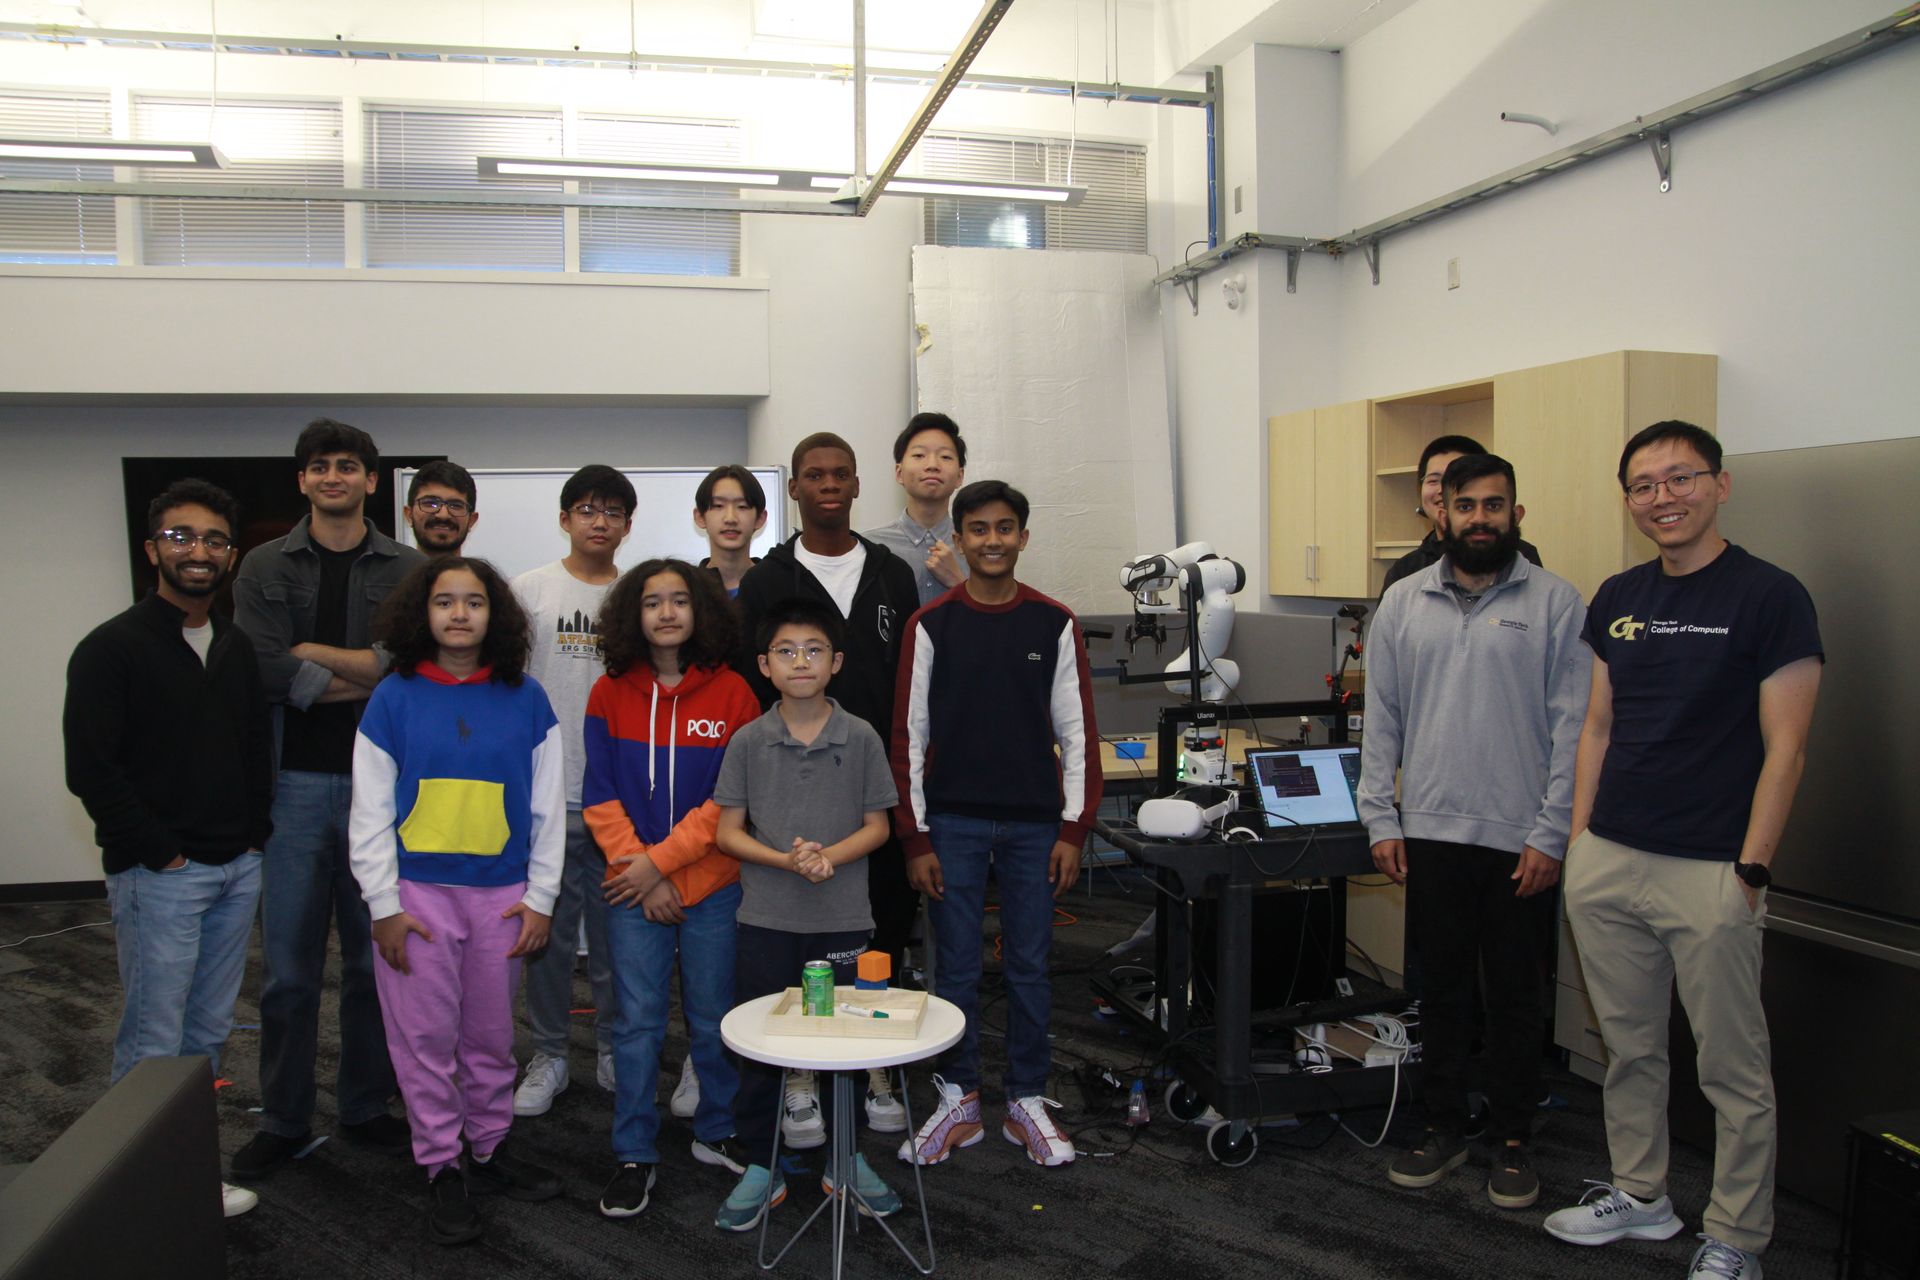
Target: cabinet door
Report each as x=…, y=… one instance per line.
x=1560, y=426
x=1341, y=474
x=1290, y=503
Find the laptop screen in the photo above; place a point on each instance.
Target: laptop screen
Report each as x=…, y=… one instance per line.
x=1309, y=787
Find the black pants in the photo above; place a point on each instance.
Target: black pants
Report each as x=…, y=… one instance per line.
x=1470, y=928
x=895, y=903
x=766, y=961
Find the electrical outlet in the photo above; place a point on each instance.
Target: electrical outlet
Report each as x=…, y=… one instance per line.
x=1453, y=273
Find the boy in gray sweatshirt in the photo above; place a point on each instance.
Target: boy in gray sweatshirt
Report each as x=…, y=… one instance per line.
x=1476, y=690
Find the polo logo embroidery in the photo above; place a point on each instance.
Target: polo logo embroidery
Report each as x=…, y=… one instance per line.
x=706, y=728
x=1626, y=628
x=1034, y=657
x=465, y=731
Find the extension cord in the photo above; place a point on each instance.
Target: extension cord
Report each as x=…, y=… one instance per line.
x=1381, y=1055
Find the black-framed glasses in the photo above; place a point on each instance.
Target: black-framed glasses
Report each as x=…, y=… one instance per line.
x=590, y=511
x=1679, y=484
x=787, y=655
x=434, y=506
x=180, y=541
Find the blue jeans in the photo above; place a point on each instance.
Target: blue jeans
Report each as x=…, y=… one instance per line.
x=642, y=953
x=549, y=975
x=308, y=882
x=182, y=937
x=1019, y=853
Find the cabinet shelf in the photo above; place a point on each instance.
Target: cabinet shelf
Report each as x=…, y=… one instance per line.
x=1398, y=471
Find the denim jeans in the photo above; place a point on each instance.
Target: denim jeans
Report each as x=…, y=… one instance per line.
x=307, y=882
x=1019, y=853
x=549, y=975
x=642, y=954
x=182, y=937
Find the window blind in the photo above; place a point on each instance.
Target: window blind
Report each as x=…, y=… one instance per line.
x=51, y=228
x=435, y=148
x=1113, y=214
x=692, y=242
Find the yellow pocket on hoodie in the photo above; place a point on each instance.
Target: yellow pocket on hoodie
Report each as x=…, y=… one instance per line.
x=457, y=815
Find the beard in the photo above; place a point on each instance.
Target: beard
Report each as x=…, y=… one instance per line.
x=189, y=587
x=1490, y=557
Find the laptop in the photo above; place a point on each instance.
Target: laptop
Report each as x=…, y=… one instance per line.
x=1306, y=786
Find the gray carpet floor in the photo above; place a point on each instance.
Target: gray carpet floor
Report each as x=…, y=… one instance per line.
x=1144, y=1203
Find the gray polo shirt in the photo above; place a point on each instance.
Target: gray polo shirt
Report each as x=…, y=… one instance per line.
x=910, y=540
x=818, y=791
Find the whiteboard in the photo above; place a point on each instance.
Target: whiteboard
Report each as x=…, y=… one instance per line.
x=519, y=525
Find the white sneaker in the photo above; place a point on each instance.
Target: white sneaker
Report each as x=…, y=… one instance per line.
x=801, y=1125
x=1029, y=1125
x=1606, y=1213
x=546, y=1079
x=235, y=1201
x=1723, y=1261
x=604, y=1070
x=884, y=1112
x=686, y=1094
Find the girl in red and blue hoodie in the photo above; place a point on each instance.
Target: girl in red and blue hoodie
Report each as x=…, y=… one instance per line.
x=657, y=728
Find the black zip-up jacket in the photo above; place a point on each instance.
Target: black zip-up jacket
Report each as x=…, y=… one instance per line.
x=1429, y=553
x=169, y=757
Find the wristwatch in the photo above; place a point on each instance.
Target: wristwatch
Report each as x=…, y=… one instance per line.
x=1753, y=874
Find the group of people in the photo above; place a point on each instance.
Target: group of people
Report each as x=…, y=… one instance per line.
x=1650, y=741
x=723, y=770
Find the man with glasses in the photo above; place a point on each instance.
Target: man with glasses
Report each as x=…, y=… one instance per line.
x=1434, y=461
x=443, y=505
x=563, y=601
x=1707, y=668
x=168, y=748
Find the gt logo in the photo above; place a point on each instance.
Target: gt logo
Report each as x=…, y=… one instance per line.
x=1626, y=628
x=706, y=728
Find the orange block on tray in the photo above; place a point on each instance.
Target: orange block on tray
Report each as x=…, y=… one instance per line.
x=872, y=971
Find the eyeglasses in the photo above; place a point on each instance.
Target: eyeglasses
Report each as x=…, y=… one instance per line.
x=1679, y=484
x=180, y=541
x=434, y=506
x=788, y=655
x=588, y=511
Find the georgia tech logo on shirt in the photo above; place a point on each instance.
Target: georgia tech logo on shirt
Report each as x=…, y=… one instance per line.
x=706, y=728
x=1626, y=628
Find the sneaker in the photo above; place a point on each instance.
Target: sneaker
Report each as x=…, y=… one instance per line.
x=1724, y=1261
x=1606, y=1213
x=546, y=1079
x=627, y=1191
x=724, y=1152
x=505, y=1173
x=389, y=1135
x=749, y=1201
x=451, y=1217
x=1029, y=1125
x=603, y=1070
x=884, y=1112
x=801, y=1125
x=1437, y=1154
x=235, y=1201
x=876, y=1198
x=954, y=1123
x=1513, y=1184
x=686, y=1094
x=264, y=1153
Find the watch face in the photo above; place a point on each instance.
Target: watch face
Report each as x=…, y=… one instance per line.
x=1755, y=875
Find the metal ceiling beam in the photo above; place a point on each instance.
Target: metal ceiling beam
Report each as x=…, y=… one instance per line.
x=501, y=198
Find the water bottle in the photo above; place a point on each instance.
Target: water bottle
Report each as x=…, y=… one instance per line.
x=1137, y=1112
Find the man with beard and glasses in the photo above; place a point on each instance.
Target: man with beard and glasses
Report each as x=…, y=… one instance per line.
x=443, y=505
x=1476, y=690
x=167, y=747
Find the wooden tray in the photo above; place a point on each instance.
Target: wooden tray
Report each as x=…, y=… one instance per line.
x=905, y=1011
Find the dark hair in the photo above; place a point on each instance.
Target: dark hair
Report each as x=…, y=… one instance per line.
x=195, y=492
x=749, y=487
x=404, y=629
x=323, y=436
x=623, y=640
x=596, y=481
x=1468, y=467
x=451, y=475
x=930, y=422
x=981, y=492
x=1447, y=444
x=798, y=611
x=822, y=440
x=1672, y=429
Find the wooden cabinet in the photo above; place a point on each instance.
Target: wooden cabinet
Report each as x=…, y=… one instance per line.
x=1317, y=502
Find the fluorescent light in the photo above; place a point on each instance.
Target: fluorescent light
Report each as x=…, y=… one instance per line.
x=959, y=189
x=638, y=171
x=176, y=155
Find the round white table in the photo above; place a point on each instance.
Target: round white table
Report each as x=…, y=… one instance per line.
x=744, y=1030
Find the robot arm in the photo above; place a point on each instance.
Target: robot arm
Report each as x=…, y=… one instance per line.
x=1209, y=582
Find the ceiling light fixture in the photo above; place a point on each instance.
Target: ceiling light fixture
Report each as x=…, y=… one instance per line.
x=643, y=171
x=961, y=189
x=156, y=155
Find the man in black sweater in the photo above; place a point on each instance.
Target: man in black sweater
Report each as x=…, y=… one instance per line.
x=167, y=748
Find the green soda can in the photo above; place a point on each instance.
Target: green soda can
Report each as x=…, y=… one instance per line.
x=816, y=989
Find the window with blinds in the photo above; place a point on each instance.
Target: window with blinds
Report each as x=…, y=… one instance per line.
x=1113, y=215
x=293, y=144
x=435, y=148
x=681, y=242
x=51, y=228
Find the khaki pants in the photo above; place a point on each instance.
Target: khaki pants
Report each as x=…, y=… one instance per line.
x=1642, y=922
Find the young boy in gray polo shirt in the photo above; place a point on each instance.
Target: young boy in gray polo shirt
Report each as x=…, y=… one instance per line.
x=804, y=795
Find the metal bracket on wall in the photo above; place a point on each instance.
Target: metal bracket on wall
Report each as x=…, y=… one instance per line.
x=1662, y=159
x=1293, y=270
x=1371, y=248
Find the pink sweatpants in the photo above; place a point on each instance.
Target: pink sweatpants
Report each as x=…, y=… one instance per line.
x=450, y=1021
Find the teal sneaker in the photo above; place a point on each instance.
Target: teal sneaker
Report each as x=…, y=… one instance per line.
x=749, y=1201
x=880, y=1200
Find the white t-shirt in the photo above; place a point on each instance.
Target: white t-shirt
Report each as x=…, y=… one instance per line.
x=201, y=639
x=840, y=575
x=565, y=658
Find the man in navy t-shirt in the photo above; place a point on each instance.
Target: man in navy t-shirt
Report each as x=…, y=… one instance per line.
x=1707, y=664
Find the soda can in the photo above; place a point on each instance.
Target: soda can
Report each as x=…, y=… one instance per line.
x=816, y=989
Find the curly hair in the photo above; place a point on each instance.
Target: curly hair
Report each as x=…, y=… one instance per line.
x=623, y=641
x=403, y=626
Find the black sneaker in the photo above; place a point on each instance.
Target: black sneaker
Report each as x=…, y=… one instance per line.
x=1513, y=1184
x=389, y=1135
x=1437, y=1154
x=505, y=1173
x=451, y=1217
x=264, y=1153
x=626, y=1194
x=724, y=1152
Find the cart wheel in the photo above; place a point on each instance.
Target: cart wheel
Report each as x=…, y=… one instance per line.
x=1183, y=1103
x=1225, y=1151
